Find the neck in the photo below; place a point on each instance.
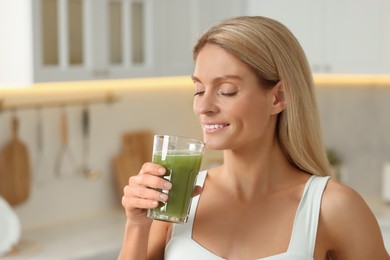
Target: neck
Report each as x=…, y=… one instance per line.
x=256, y=170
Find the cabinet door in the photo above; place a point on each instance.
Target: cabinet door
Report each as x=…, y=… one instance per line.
x=179, y=25
x=302, y=17
x=346, y=36
x=209, y=12
x=386, y=38
x=92, y=39
x=16, y=43
x=173, y=37
x=60, y=28
x=355, y=36
x=129, y=38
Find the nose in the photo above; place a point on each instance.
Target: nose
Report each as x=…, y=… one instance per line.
x=205, y=104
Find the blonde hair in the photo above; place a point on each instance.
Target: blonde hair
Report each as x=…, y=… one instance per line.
x=274, y=54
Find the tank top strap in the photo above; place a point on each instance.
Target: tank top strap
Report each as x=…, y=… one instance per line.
x=201, y=178
x=186, y=229
x=304, y=233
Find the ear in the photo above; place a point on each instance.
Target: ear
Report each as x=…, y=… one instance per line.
x=279, y=100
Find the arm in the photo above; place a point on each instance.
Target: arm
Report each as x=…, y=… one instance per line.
x=140, y=195
x=138, y=244
x=135, y=242
x=352, y=228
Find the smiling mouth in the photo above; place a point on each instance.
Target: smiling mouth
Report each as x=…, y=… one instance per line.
x=215, y=126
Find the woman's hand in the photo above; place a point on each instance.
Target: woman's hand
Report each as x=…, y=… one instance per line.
x=140, y=194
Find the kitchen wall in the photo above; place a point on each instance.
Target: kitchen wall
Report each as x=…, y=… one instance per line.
x=356, y=124
x=354, y=120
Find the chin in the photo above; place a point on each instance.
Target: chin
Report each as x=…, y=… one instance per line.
x=215, y=142
x=214, y=146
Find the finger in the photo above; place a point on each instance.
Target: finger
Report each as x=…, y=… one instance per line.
x=138, y=203
x=197, y=191
x=151, y=181
x=152, y=168
x=145, y=193
x=141, y=198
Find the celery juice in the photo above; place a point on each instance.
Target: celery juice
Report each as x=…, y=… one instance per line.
x=182, y=168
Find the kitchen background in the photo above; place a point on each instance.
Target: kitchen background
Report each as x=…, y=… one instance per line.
x=127, y=62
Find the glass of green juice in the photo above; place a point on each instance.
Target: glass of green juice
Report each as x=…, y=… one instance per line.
x=181, y=157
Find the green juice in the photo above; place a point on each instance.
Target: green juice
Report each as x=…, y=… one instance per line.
x=182, y=167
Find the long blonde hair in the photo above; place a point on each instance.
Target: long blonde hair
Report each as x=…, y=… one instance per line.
x=274, y=54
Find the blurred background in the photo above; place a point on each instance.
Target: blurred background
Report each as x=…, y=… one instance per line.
x=80, y=80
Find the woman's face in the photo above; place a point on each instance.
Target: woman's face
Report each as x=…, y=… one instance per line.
x=233, y=109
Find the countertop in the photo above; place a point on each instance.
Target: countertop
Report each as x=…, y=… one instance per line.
x=89, y=238
x=100, y=236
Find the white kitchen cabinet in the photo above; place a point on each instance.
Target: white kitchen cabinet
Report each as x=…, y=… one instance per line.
x=301, y=17
x=179, y=25
x=355, y=36
x=15, y=42
x=345, y=36
x=211, y=12
x=57, y=40
x=92, y=39
x=67, y=40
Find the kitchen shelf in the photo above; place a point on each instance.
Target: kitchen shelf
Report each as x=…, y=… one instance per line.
x=109, y=97
x=352, y=80
x=102, y=90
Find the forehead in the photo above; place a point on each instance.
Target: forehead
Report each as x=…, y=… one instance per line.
x=214, y=61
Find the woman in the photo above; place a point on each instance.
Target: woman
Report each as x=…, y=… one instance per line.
x=270, y=198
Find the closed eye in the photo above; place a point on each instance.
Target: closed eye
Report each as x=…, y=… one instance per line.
x=227, y=94
x=199, y=93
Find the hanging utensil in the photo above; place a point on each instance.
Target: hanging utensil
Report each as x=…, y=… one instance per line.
x=85, y=168
x=14, y=168
x=65, y=163
x=39, y=176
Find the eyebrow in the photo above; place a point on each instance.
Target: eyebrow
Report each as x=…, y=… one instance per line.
x=219, y=79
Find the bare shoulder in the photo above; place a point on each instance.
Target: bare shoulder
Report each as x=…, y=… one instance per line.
x=341, y=199
x=343, y=208
x=349, y=224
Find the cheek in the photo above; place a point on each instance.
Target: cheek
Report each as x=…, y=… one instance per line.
x=249, y=106
x=254, y=112
x=195, y=107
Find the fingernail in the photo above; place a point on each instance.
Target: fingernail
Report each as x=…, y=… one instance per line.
x=154, y=203
x=163, y=197
x=167, y=185
x=161, y=170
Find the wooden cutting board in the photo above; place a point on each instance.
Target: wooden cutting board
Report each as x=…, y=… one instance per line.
x=136, y=149
x=14, y=169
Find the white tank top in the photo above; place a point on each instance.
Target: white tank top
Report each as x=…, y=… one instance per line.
x=302, y=242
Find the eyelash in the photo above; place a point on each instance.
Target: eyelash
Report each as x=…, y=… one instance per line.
x=227, y=94
x=199, y=93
